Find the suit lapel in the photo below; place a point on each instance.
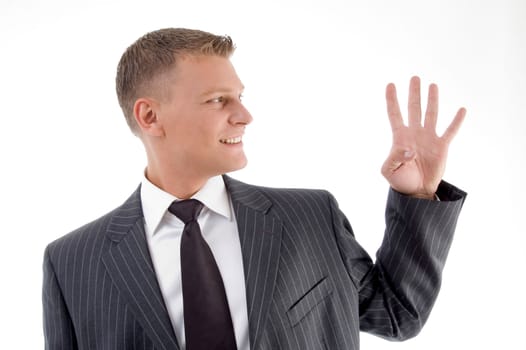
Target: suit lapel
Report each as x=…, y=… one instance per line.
x=260, y=236
x=129, y=264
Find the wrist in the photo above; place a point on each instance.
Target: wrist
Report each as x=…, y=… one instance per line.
x=432, y=197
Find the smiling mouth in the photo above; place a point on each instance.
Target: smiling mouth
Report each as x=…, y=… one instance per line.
x=231, y=141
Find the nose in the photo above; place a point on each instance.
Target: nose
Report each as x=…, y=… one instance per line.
x=240, y=115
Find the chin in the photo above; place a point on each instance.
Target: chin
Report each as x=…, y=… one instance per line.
x=237, y=166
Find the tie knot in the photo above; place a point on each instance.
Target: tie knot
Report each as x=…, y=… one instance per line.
x=187, y=210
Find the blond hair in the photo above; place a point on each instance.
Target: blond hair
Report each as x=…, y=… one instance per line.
x=156, y=53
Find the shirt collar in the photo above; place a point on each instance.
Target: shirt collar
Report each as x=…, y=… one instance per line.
x=155, y=201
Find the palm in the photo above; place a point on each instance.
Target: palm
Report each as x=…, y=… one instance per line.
x=418, y=155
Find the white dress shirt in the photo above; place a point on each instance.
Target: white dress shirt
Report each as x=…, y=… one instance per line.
x=219, y=229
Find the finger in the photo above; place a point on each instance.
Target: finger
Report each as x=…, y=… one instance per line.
x=415, y=111
x=393, y=109
x=432, y=108
x=396, y=159
x=453, y=128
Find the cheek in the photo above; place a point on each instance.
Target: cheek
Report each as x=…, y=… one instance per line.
x=198, y=139
x=206, y=131
x=196, y=131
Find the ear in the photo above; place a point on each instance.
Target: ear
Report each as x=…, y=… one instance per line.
x=145, y=113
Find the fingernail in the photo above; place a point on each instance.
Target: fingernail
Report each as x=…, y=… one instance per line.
x=408, y=154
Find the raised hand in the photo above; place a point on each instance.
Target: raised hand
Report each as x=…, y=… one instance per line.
x=418, y=156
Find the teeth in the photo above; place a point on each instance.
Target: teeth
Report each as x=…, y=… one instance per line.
x=232, y=140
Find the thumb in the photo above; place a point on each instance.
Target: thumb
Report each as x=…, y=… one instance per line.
x=396, y=159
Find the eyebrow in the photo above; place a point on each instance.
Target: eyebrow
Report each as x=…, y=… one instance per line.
x=216, y=90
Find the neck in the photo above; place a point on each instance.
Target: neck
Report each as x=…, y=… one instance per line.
x=181, y=185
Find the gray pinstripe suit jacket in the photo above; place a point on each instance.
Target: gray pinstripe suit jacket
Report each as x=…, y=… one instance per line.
x=309, y=283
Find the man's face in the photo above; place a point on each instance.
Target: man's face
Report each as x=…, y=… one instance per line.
x=203, y=117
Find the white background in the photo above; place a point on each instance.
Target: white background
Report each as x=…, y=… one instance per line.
x=315, y=73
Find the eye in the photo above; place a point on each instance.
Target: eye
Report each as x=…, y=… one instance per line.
x=219, y=99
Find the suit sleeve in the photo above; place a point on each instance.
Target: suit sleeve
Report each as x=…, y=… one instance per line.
x=397, y=292
x=58, y=327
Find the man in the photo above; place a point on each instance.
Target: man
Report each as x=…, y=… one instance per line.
x=290, y=271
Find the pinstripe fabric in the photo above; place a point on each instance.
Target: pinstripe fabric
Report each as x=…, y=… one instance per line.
x=309, y=283
x=100, y=290
x=311, y=286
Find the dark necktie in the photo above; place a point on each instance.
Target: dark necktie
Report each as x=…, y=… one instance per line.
x=208, y=324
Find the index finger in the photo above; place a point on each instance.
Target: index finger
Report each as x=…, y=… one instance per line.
x=453, y=128
x=393, y=109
